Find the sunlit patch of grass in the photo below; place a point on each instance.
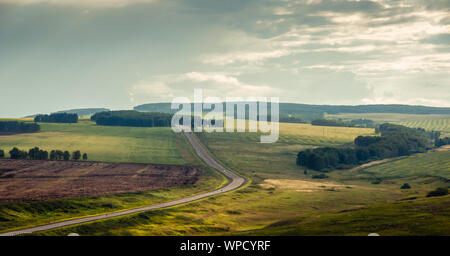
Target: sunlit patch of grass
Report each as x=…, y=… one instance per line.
x=103, y=143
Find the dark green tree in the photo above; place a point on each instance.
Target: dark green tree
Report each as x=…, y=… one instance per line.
x=76, y=155
x=405, y=186
x=85, y=156
x=53, y=156
x=2, y=153
x=33, y=153
x=66, y=156
x=16, y=153
x=59, y=155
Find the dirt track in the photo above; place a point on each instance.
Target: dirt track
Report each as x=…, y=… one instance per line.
x=24, y=180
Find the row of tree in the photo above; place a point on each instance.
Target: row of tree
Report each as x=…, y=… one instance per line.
x=57, y=118
x=442, y=142
x=394, y=141
x=18, y=127
x=38, y=154
x=132, y=118
x=338, y=123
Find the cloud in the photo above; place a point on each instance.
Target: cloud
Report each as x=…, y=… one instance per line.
x=167, y=87
x=438, y=39
x=246, y=57
x=83, y=3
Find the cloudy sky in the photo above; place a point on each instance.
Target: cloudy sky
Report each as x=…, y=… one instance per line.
x=62, y=54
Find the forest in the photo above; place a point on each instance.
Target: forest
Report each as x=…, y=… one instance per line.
x=132, y=118
x=18, y=127
x=393, y=141
x=57, y=118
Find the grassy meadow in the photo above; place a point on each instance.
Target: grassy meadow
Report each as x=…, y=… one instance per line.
x=103, y=143
x=109, y=144
x=275, y=160
x=336, y=206
x=434, y=122
x=281, y=198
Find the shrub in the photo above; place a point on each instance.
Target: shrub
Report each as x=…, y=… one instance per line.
x=438, y=192
x=320, y=176
x=375, y=182
x=405, y=186
x=2, y=153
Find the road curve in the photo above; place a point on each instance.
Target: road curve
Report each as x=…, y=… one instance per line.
x=235, y=182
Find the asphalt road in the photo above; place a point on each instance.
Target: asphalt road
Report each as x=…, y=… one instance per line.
x=235, y=182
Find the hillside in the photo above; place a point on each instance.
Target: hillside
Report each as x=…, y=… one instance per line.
x=81, y=112
x=313, y=111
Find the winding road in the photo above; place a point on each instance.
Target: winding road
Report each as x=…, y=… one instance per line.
x=234, y=182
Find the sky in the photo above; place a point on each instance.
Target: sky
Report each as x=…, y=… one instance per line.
x=57, y=54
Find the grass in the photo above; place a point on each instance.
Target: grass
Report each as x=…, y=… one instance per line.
x=244, y=209
x=419, y=218
x=433, y=164
x=109, y=144
x=433, y=122
x=442, y=124
x=25, y=214
x=103, y=143
x=243, y=152
x=353, y=206
x=247, y=209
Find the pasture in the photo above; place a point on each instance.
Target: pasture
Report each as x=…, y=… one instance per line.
x=433, y=122
x=104, y=143
x=282, y=195
x=336, y=206
x=281, y=198
x=244, y=153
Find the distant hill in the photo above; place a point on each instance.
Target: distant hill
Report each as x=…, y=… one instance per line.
x=81, y=112
x=309, y=112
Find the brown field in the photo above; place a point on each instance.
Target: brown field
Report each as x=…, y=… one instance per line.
x=24, y=180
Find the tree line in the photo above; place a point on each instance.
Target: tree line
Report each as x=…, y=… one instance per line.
x=132, y=118
x=394, y=140
x=38, y=154
x=367, y=123
x=18, y=127
x=439, y=142
x=57, y=118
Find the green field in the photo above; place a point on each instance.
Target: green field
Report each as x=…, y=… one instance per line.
x=442, y=125
x=243, y=152
x=334, y=207
x=245, y=209
x=281, y=198
x=427, y=165
x=422, y=217
x=110, y=144
x=296, y=201
x=429, y=122
x=103, y=143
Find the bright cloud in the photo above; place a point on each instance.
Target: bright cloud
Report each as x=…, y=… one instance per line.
x=167, y=87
